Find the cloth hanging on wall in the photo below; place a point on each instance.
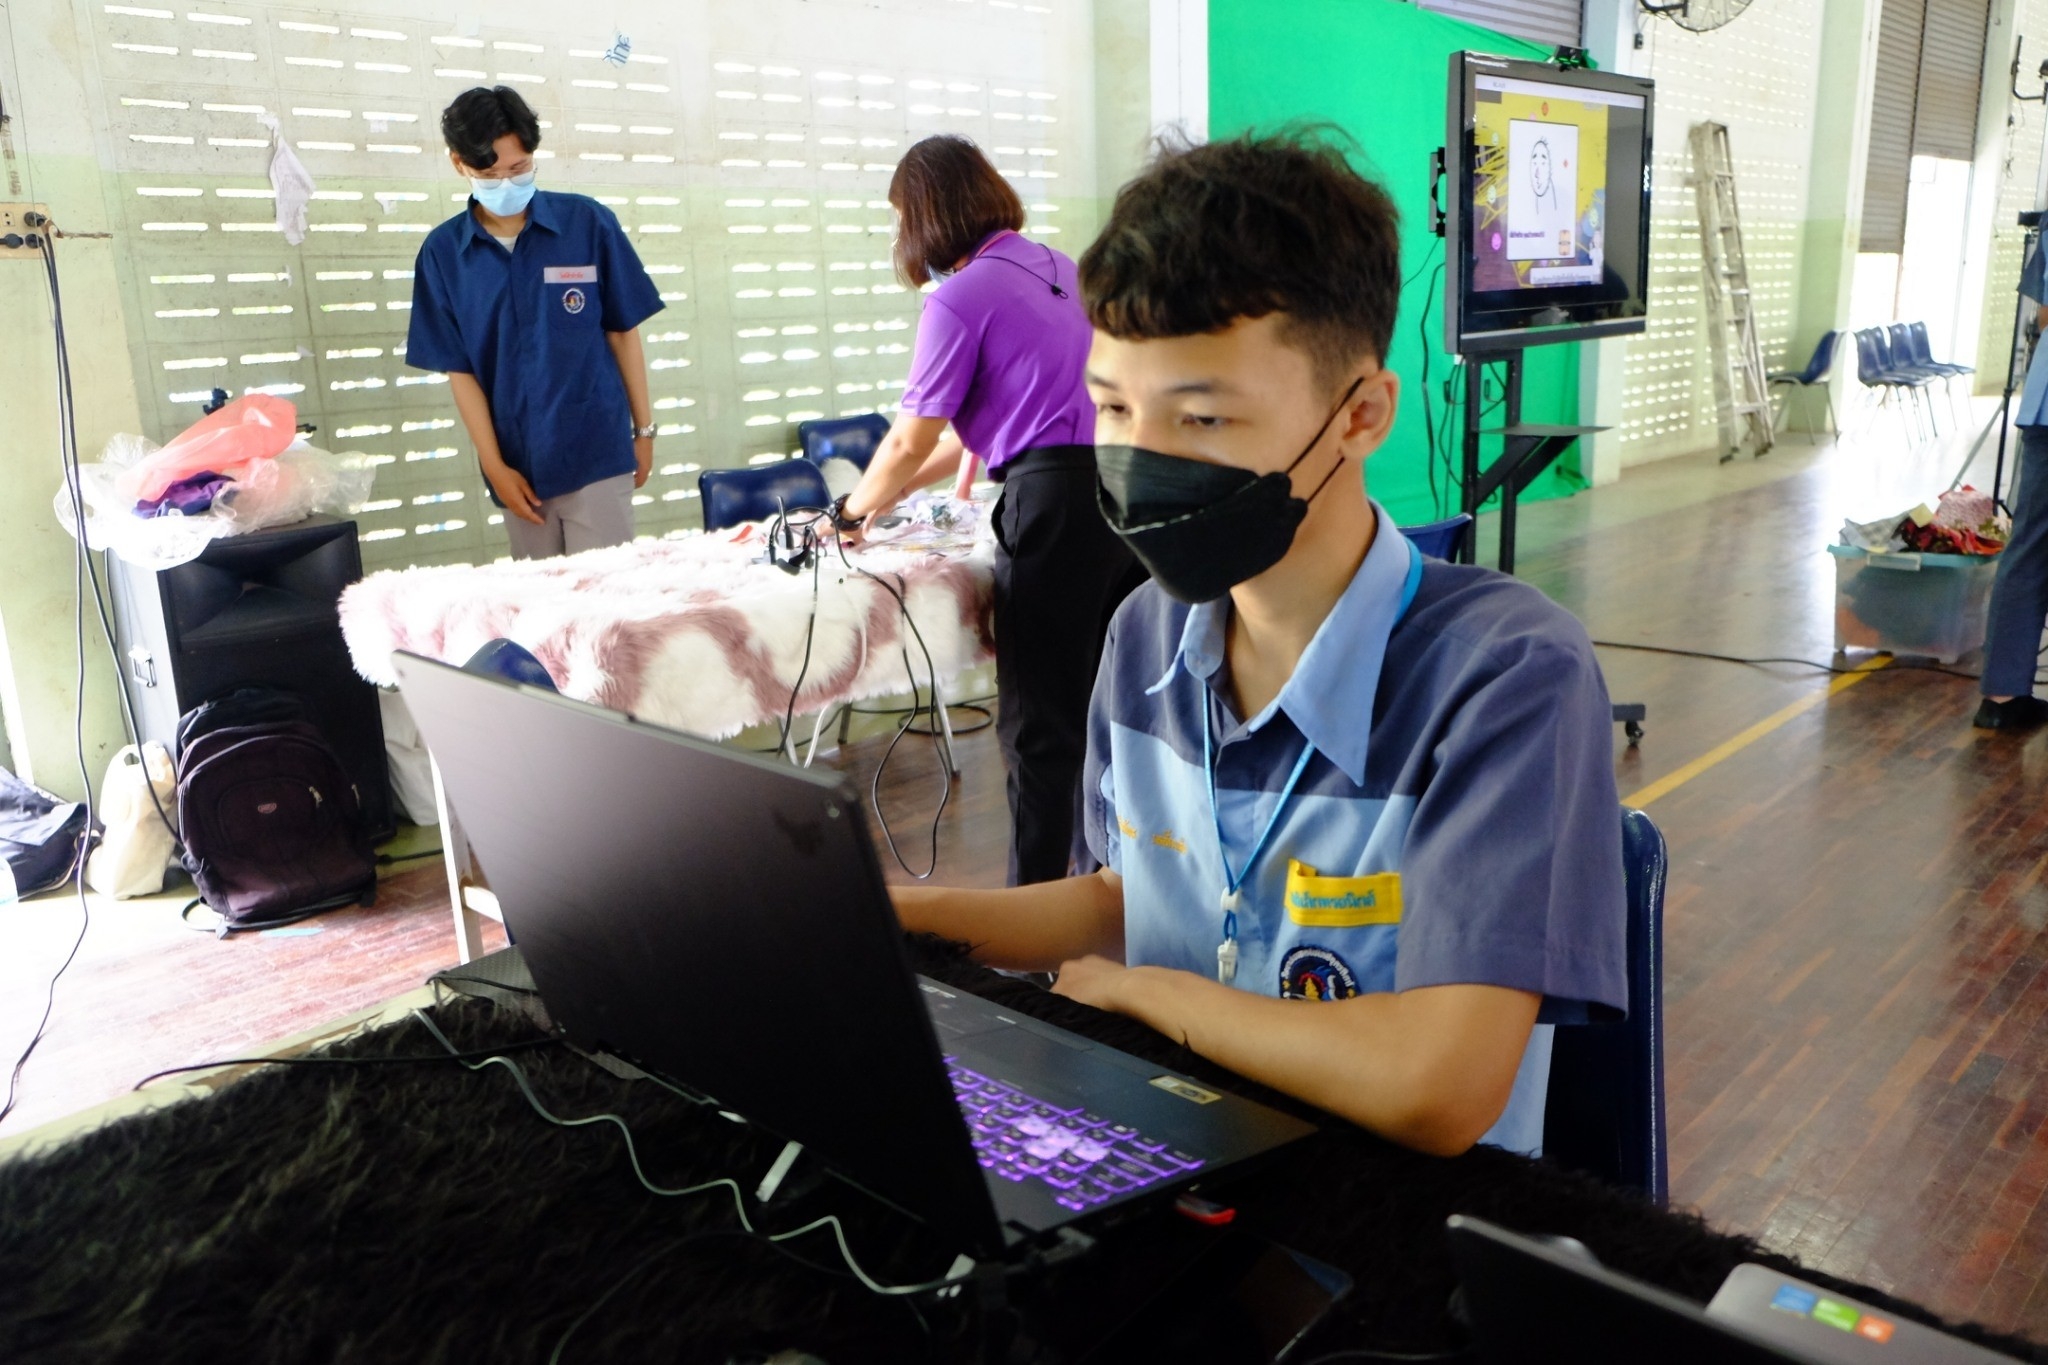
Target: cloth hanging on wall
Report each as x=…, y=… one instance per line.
x=290, y=181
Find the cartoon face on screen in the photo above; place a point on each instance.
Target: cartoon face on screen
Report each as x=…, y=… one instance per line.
x=1543, y=187
x=1539, y=172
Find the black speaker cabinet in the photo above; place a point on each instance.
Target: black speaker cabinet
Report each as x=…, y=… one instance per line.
x=256, y=610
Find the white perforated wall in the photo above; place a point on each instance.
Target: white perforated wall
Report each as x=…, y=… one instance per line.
x=746, y=145
x=2016, y=184
x=1758, y=75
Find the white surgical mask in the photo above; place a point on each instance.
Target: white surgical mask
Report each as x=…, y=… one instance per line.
x=505, y=198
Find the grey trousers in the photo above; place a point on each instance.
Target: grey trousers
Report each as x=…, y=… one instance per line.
x=594, y=516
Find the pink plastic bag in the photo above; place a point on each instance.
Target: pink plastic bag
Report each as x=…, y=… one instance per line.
x=255, y=427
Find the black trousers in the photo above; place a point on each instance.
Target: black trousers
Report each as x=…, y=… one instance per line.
x=1060, y=574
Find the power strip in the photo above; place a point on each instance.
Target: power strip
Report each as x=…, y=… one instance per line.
x=22, y=227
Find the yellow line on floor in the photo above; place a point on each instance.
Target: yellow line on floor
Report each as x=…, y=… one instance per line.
x=1672, y=781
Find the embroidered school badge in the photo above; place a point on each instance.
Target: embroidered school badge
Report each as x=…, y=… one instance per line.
x=1312, y=973
x=573, y=300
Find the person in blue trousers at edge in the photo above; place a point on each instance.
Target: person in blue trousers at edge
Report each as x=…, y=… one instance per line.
x=2019, y=599
x=1356, y=809
x=531, y=301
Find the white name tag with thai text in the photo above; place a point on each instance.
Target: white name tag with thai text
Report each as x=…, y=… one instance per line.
x=570, y=274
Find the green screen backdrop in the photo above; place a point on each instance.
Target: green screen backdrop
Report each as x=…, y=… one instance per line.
x=1377, y=69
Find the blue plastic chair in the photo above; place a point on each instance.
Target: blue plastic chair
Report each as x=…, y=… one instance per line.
x=1604, y=1111
x=1922, y=354
x=1875, y=371
x=512, y=662
x=1440, y=539
x=1815, y=375
x=731, y=496
x=854, y=439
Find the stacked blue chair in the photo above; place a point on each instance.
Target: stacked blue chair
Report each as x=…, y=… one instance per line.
x=1914, y=343
x=1814, y=376
x=1604, y=1111
x=1875, y=370
x=731, y=496
x=1899, y=347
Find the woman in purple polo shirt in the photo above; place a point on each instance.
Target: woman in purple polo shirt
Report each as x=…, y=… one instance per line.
x=1000, y=353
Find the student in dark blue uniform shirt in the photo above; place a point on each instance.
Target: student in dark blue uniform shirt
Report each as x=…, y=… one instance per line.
x=531, y=302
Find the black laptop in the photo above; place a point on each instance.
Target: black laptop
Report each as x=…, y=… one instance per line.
x=1535, y=1301
x=721, y=920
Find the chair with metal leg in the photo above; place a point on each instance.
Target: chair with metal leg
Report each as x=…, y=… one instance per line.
x=1815, y=376
x=1900, y=337
x=1922, y=354
x=1916, y=380
x=1872, y=374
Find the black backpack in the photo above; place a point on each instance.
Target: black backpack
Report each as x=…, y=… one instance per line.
x=273, y=828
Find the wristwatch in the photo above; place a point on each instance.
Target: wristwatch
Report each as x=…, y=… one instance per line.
x=642, y=433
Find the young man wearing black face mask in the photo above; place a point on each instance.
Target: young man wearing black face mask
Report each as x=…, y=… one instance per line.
x=1357, y=811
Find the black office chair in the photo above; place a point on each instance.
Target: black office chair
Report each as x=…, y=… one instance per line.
x=1815, y=375
x=1440, y=539
x=1604, y=1111
x=852, y=439
x=731, y=496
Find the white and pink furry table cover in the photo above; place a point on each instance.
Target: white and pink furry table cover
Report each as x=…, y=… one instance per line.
x=697, y=634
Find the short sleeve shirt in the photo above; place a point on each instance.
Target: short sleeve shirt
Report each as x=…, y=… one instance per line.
x=1457, y=821
x=2033, y=409
x=1004, y=356
x=531, y=325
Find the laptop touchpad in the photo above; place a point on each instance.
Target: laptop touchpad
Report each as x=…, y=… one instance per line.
x=957, y=1016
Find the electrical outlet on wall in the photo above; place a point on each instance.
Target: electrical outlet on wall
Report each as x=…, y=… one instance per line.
x=15, y=231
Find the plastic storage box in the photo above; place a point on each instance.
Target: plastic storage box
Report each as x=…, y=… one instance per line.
x=1932, y=605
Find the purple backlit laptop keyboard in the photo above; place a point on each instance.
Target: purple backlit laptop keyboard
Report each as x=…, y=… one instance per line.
x=1084, y=1157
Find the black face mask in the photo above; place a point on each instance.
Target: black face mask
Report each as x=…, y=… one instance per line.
x=1201, y=529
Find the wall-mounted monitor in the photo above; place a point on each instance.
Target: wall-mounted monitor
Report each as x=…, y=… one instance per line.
x=1547, y=224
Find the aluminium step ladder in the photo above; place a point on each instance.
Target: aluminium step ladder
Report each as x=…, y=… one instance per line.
x=1741, y=394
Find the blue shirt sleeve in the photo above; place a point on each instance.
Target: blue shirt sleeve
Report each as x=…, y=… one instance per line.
x=630, y=297
x=1098, y=821
x=1512, y=872
x=2034, y=276
x=432, y=340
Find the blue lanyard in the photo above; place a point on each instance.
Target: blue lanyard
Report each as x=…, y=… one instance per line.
x=1233, y=882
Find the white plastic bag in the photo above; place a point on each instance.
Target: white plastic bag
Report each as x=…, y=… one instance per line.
x=271, y=492
x=412, y=770
x=138, y=845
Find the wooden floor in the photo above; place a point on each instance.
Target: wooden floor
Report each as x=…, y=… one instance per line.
x=1857, y=923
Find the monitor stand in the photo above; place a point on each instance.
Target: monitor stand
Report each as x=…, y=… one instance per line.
x=1527, y=449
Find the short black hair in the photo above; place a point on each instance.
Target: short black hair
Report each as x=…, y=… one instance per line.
x=1279, y=223
x=480, y=116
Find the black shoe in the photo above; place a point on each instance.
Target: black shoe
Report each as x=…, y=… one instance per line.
x=2021, y=713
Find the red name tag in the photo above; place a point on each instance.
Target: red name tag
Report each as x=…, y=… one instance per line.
x=570, y=274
